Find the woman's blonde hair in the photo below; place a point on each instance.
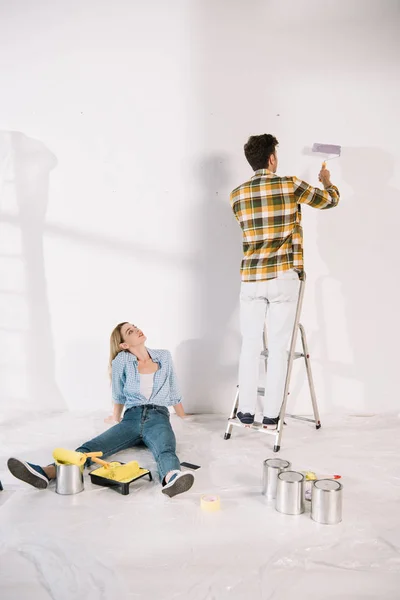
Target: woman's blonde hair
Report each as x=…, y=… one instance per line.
x=115, y=341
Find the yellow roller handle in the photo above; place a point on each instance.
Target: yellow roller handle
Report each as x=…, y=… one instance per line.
x=99, y=461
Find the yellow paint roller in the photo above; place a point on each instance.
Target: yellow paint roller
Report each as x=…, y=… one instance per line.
x=113, y=470
x=117, y=471
x=69, y=457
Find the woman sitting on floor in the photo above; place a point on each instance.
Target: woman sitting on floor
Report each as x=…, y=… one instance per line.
x=144, y=383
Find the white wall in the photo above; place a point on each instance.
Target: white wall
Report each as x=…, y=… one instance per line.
x=121, y=135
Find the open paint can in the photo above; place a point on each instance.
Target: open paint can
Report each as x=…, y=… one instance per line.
x=271, y=469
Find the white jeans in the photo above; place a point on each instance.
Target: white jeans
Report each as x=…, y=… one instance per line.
x=274, y=302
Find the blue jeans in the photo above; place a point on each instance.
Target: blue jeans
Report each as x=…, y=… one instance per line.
x=141, y=424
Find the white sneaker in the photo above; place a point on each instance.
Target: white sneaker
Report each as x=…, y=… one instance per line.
x=178, y=483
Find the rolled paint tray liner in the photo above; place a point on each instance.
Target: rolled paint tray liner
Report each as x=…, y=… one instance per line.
x=121, y=486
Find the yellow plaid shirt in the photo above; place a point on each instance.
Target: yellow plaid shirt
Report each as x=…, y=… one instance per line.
x=268, y=209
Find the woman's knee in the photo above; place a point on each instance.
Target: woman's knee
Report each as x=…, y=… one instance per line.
x=162, y=449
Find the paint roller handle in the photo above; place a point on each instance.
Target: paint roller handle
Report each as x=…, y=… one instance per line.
x=101, y=462
x=92, y=454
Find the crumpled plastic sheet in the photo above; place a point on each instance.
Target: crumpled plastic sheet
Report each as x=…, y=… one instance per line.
x=99, y=545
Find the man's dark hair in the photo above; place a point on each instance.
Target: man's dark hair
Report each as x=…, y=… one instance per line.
x=258, y=149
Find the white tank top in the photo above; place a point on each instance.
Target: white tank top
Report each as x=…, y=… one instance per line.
x=146, y=384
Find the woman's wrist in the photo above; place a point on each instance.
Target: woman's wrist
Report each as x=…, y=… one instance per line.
x=180, y=411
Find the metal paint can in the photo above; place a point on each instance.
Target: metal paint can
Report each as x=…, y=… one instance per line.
x=69, y=479
x=290, y=493
x=271, y=469
x=326, y=501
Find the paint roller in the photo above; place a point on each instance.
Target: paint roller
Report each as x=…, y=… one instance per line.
x=69, y=457
x=118, y=471
x=329, y=151
x=114, y=470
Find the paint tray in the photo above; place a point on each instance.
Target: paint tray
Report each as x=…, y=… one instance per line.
x=99, y=477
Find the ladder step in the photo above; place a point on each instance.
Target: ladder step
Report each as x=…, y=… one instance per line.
x=256, y=426
x=264, y=355
x=301, y=418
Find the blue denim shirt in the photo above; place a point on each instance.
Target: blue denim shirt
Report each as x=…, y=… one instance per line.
x=126, y=380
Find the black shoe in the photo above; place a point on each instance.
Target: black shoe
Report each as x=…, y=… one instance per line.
x=32, y=474
x=245, y=418
x=270, y=423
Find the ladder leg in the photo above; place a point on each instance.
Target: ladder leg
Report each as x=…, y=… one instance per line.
x=232, y=415
x=310, y=377
x=279, y=430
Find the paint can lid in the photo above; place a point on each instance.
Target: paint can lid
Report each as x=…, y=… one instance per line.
x=291, y=476
x=328, y=485
x=277, y=463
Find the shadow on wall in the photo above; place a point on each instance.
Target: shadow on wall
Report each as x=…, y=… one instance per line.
x=26, y=324
x=209, y=363
x=359, y=244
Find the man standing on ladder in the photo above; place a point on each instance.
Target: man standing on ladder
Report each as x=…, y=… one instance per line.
x=268, y=209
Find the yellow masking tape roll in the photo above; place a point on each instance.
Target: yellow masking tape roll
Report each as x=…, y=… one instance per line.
x=210, y=503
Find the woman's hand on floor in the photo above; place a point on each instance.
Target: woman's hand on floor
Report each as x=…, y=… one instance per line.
x=186, y=417
x=110, y=420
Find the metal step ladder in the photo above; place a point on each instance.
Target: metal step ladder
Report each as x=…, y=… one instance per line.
x=292, y=356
